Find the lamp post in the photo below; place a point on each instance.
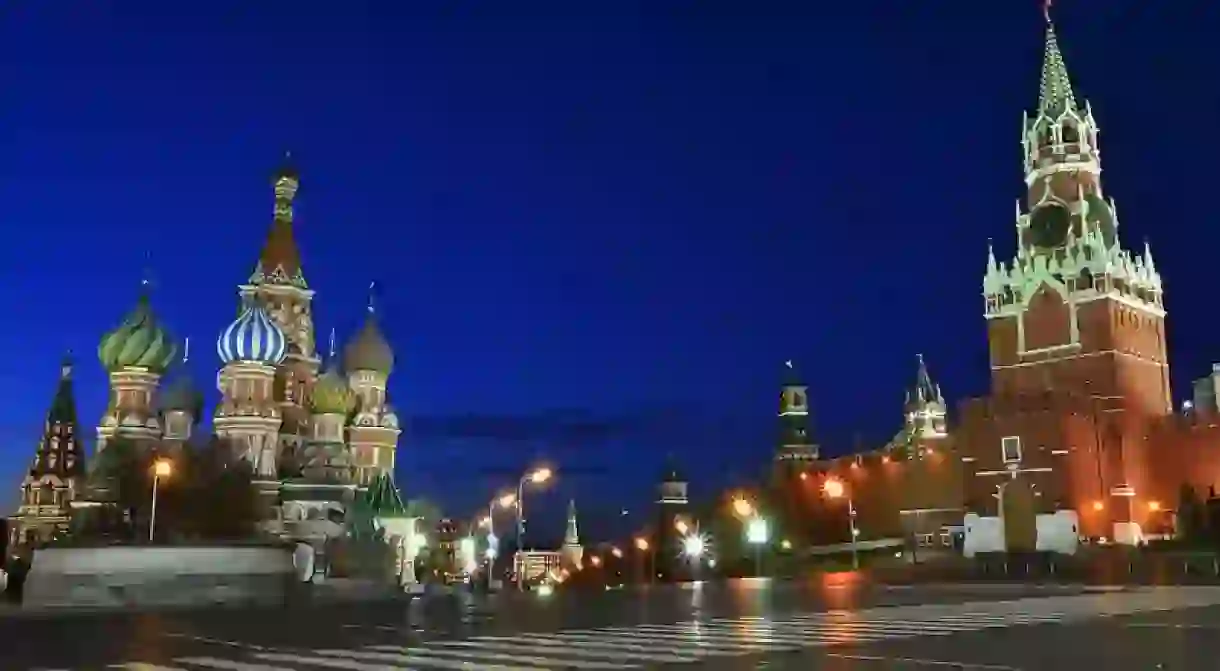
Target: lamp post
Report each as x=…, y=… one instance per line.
x=536, y=476
x=835, y=489
x=647, y=560
x=757, y=534
x=161, y=469
x=757, y=530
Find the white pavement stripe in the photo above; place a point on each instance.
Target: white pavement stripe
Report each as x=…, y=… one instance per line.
x=346, y=664
x=537, y=655
x=613, y=647
x=655, y=654
x=227, y=665
x=426, y=656
x=675, y=637
x=335, y=659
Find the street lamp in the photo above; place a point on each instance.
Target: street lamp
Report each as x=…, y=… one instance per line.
x=162, y=468
x=743, y=508
x=647, y=560
x=693, y=546
x=757, y=534
x=536, y=476
x=835, y=489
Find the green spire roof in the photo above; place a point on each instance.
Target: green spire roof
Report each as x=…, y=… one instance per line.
x=382, y=498
x=1055, y=95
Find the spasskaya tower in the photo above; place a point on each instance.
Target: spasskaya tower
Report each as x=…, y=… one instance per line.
x=1074, y=311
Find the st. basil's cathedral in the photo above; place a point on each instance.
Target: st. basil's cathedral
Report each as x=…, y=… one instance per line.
x=314, y=432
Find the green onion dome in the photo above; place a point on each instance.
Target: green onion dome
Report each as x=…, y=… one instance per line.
x=139, y=342
x=331, y=395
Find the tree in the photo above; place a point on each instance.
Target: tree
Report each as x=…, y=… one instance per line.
x=1191, y=516
x=429, y=513
x=120, y=479
x=211, y=495
x=208, y=495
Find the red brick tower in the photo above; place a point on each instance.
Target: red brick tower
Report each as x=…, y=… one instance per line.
x=1076, y=326
x=1074, y=311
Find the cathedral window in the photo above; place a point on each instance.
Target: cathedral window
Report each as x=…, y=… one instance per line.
x=1010, y=449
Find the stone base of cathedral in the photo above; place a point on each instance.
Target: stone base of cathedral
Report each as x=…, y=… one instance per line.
x=126, y=577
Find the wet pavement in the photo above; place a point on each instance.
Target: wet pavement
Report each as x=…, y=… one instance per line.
x=835, y=623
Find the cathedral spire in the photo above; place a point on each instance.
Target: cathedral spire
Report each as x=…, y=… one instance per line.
x=280, y=261
x=925, y=405
x=1055, y=93
x=59, y=453
x=571, y=537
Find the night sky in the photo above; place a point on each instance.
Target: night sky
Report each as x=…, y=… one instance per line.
x=599, y=227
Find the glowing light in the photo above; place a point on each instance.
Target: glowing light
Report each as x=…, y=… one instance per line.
x=693, y=546
x=507, y=500
x=616, y=552
x=682, y=527
x=1154, y=506
x=804, y=476
x=595, y=560
x=540, y=475
x=641, y=544
x=833, y=488
x=757, y=531
x=1098, y=505
x=742, y=508
x=163, y=468
x=545, y=590
x=786, y=544
x=490, y=554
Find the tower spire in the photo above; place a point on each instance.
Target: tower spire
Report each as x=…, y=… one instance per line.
x=372, y=303
x=571, y=537
x=186, y=350
x=1055, y=94
x=330, y=353
x=280, y=261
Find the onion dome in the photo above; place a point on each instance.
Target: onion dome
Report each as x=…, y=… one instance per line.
x=181, y=395
x=331, y=395
x=253, y=337
x=139, y=342
x=369, y=350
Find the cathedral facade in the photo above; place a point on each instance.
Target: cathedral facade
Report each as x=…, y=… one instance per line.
x=315, y=431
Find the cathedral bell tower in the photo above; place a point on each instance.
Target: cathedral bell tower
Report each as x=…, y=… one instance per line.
x=1073, y=311
x=57, y=473
x=278, y=284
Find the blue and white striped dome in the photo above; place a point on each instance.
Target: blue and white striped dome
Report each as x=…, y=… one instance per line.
x=253, y=337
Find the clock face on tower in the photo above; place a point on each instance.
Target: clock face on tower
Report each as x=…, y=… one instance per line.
x=1048, y=226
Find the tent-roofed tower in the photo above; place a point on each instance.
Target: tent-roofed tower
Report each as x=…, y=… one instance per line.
x=57, y=472
x=278, y=284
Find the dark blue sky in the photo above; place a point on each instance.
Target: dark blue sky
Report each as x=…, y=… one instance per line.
x=601, y=227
